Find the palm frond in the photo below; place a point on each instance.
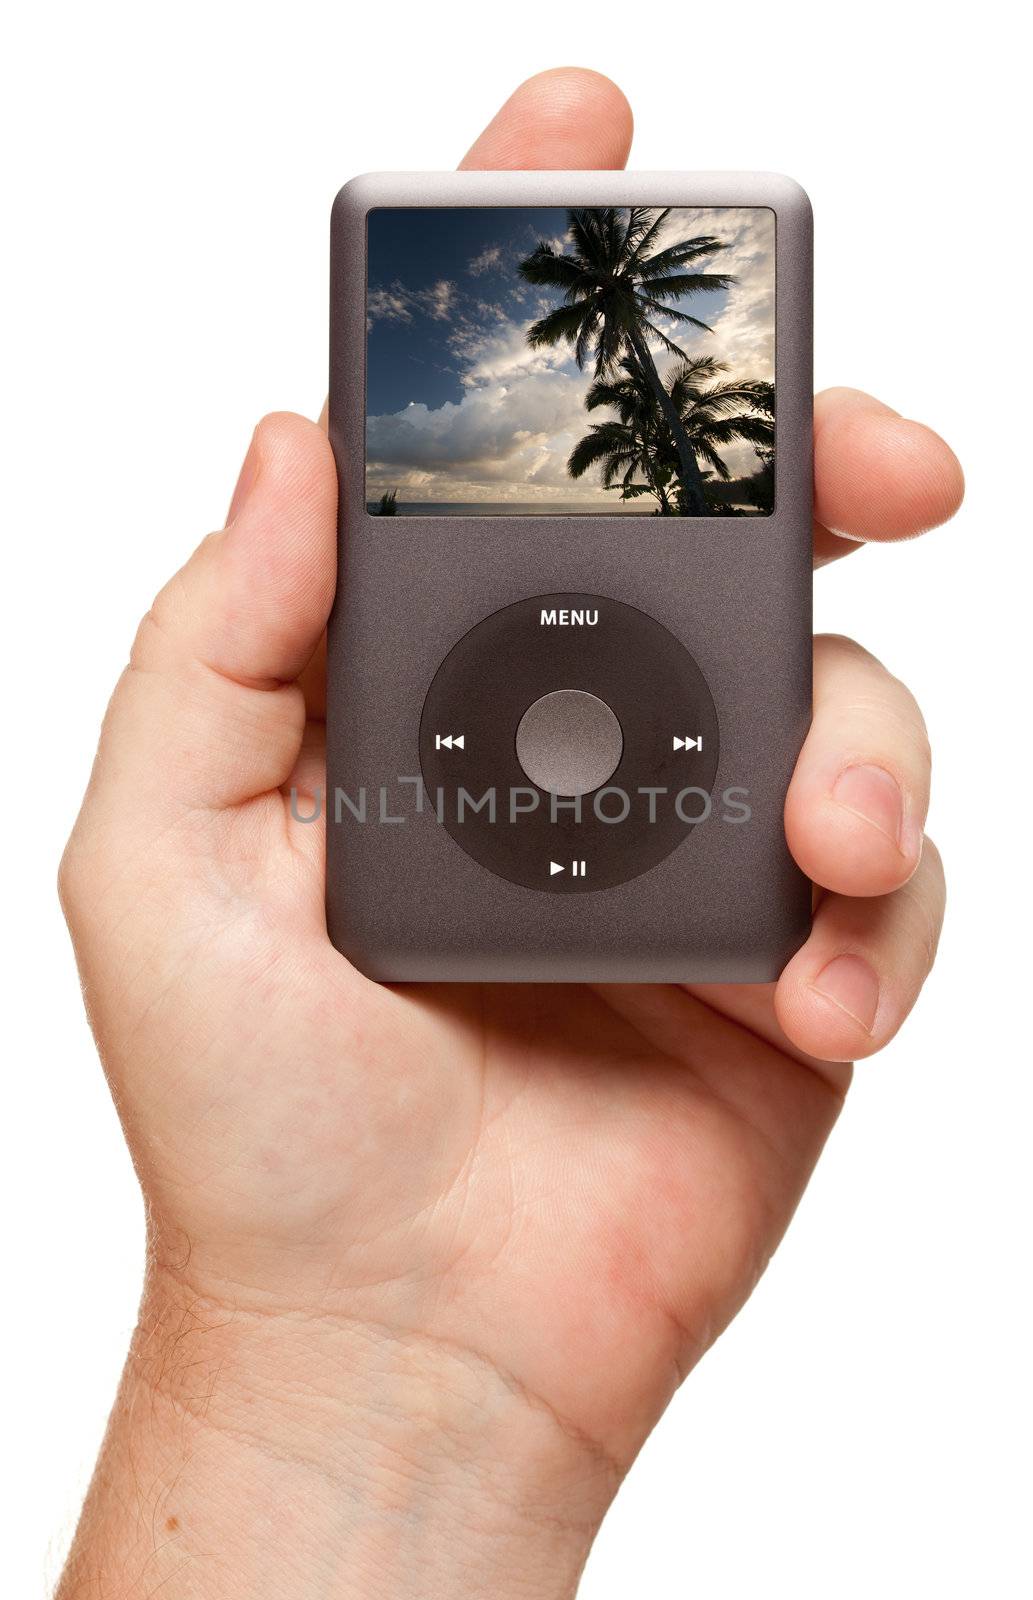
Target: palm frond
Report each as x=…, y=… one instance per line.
x=669, y=344
x=611, y=343
x=562, y=323
x=728, y=430
x=603, y=393
x=651, y=227
x=586, y=226
x=756, y=393
x=679, y=255
x=696, y=370
x=675, y=315
x=638, y=221
x=603, y=441
x=613, y=234
x=587, y=334
x=679, y=284
x=724, y=397
x=615, y=461
x=683, y=384
x=545, y=269
x=706, y=452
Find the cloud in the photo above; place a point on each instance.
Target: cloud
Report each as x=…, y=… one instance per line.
x=557, y=243
x=743, y=333
x=396, y=303
x=489, y=257
x=439, y=299
x=501, y=353
x=490, y=425
x=501, y=441
x=389, y=305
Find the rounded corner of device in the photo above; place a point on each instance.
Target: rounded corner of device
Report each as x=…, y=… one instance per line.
x=789, y=197
x=357, y=948
x=354, y=197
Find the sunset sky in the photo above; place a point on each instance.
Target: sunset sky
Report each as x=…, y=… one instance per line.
x=460, y=409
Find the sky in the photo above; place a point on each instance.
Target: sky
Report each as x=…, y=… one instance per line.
x=460, y=409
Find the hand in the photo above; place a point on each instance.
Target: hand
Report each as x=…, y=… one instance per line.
x=426, y=1264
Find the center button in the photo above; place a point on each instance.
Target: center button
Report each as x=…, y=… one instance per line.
x=569, y=742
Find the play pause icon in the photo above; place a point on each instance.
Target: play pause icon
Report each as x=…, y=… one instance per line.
x=577, y=869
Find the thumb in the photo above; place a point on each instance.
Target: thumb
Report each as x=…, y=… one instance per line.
x=208, y=713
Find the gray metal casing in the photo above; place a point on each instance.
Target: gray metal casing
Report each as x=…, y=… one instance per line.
x=404, y=901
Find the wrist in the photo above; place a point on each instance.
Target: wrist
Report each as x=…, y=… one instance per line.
x=291, y=1454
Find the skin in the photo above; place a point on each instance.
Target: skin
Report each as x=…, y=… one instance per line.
x=426, y=1264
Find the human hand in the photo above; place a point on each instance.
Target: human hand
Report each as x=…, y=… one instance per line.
x=426, y=1263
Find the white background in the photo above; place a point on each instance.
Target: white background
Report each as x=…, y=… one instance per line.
x=863, y=1428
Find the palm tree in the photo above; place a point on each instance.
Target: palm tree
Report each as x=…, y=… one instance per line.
x=638, y=442
x=622, y=451
x=616, y=281
x=388, y=506
x=712, y=414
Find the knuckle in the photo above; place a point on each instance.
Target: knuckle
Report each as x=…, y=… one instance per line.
x=870, y=707
x=910, y=712
x=142, y=650
x=74, y=878
x=839, y=648
x=161, y=628
x=153, y=638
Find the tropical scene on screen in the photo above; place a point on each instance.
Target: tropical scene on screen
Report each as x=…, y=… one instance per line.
x=534, y=361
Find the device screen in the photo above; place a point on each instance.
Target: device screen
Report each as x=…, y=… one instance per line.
x=535, y=361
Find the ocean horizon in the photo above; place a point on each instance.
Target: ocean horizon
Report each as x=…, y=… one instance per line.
x=510, y=508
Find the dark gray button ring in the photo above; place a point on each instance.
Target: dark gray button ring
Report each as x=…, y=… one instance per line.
x=569, y=742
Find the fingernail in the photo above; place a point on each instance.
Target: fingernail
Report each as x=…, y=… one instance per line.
x=871, y=793
x=245, y=483
x=850, y=983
